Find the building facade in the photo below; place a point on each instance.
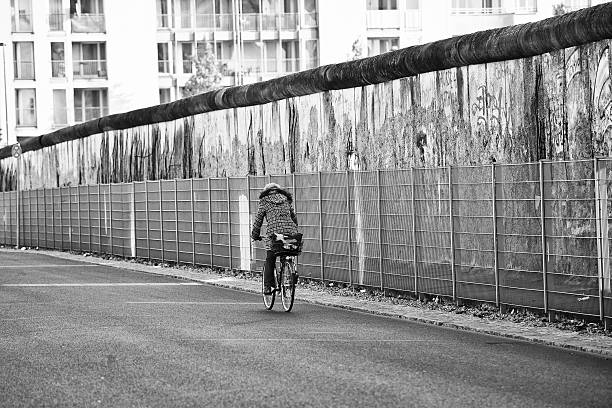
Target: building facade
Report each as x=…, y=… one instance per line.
x=69, y=61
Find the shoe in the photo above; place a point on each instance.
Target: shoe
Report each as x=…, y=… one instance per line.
x=268, y=290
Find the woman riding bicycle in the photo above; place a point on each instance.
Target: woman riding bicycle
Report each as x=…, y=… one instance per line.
x=275, y=205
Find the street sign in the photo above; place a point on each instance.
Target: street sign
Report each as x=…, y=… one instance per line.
x=16, y=150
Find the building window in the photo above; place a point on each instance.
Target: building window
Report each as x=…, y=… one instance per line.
x=381, y=45
x=60, y=111
x=526, y=6
x=24, y=60
x=291, y=55
x=163, y=59
x=90, y=104
x=312, y=54
x=87, y=16
x=164, y=95
x=58, y=66
x=56, y=17
x=22, y=16
x=477, y=7
x=186, y=55
x=89, y=60
x=163, y=18
x=185, y=13
x=310, y=13
x=382, y=4
x=25, y=103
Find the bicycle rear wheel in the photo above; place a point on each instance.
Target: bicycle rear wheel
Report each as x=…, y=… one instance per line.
x=267, y=299
x=287, y=285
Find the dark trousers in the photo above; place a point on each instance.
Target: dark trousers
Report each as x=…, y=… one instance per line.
x=269, y=269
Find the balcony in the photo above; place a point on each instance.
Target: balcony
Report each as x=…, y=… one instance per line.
x=58, y=69
x=289, y=21
x=24, y=69
x=480, y=10
x=163, y=66
x=56, y=22
x=310, y=20
x=22, y=23
x=88, y=23
x=393, y=20
x=89, y=69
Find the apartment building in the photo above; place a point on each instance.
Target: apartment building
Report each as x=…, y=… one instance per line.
x=253, y=40
x=69, y=61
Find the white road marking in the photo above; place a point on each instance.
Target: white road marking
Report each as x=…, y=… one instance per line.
x=326, y=340
x=100, y=284
x=50, y=266
x=193, y=303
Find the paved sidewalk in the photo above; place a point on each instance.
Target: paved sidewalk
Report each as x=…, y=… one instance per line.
x=592, y=343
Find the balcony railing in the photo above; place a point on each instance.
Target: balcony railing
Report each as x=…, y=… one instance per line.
x=206, y=21
x=88, y=23
x=480, y=10
x=394, y=19
x=249, y=22
x=573, y=5
x=310, y=20
x=163, y=66
x=58, y=69
x=83, y=114
x=289, y=21
x=24, y=69
x=22, y=23
x=290, y=64
x=269, y=22
x=56, y=22
x=89, y=68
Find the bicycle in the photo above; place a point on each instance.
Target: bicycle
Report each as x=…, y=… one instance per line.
x=287, y=249
x=285, y=276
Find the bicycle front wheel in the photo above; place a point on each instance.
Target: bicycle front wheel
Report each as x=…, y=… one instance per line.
x=288, y=285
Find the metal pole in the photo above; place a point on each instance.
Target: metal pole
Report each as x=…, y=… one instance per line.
x=210, y=227
x=45, y=214
x=110, y=216
x=543, y=236
x=61, y=220
x=248, y=179
x=146, y=186
x=18, y=204
x=414, y=245
x=193, y=245
x=100, y=220
x=37, y=221
x=161, y=218
x=598, y=217
x=5, y=93
x=53, y=217
x=79, y=214
x=321, y=230
x=380, y=245
x=89, y=215
x=495, y=244
x=348, y=227
x=452, y=232
x=69, y=220
x=176, y=222
x=229, y=221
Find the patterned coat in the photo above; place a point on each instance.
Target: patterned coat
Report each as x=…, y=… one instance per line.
x=275, y=205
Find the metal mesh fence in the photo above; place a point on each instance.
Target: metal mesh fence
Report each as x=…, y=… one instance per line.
x=535, y=235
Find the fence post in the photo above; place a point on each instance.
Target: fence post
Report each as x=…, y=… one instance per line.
x=45, y=215
x=543, y=237
x=380, y=245
x=193, y=245
x=414, y=234
x=99, y=220
x=110, y=216
x=18, y=205
x=79, y=214
x=161, y=219
x=146, y=186
x=599, y=237
x=210, y=227
x=495, y=245
x=321, y=230
x=89, y=215
x=229, y=222
x=348, y=227
x=452, y=232
x=176, y=222
x=61, y=220
x=37, y=221
x=248, y=181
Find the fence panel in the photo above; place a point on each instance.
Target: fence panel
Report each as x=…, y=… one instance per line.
x=184, y=222
x=308, y=213
x=41, y=218
x=398, y=228
x=519, y=235
x=433, y=238
x=168, y=197
x=604, y=173
x=220, y=222
x=156, y=243
x=25, y=207
x=571, y=236
x=334, y=229
x=240, y=223
x=202, y=224
x=474, y=252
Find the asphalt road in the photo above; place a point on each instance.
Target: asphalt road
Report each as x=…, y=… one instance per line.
x=79, y=334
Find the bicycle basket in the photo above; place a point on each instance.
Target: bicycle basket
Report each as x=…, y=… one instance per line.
x=290, y=245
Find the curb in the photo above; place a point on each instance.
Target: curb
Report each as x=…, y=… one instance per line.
x=549, y=336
